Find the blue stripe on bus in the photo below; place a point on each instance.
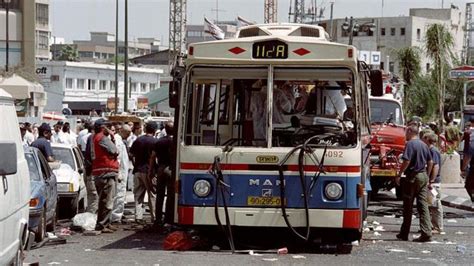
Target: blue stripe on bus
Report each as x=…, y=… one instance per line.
x=240, y=189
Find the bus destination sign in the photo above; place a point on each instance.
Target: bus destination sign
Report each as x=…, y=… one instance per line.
x=270, y=50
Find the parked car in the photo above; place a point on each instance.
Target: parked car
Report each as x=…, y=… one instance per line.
x=44, y=194
x=70, y=177
x=14, y=186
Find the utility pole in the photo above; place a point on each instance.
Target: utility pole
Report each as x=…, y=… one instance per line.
x=271, y=11
x=125, y=86
x=177, y=30
x=116, y=56
x=7, y=39
x=331, y=21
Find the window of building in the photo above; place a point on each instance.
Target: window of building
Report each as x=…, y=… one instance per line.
x=142, y=87
x=85, y=54
x=42, y=39
x=418, y=34
x=91, y=84
x=382, y=66
x=392, y=31
x=382, y=31
x=80, y=84
x=103, y=85
x=152, y=86
x=428, y=67
x=134, y=87
x=69, y=83
x=391, y=67
x=42, y=14
x=402, y=31
x=112, y=85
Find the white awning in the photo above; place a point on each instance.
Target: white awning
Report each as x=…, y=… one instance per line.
x=19, y=87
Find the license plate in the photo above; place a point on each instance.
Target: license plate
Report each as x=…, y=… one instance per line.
x=383, y=172
x=263, y=201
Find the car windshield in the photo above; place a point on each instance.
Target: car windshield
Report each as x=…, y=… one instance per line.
x=382, y=111
x=33, y=167
x=65, y=156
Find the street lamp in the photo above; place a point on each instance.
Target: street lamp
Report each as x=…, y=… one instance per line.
x=7, y=45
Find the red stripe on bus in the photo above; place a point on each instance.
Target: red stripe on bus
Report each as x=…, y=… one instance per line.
x=185, y=215
x=295, y=168
x=351, y=219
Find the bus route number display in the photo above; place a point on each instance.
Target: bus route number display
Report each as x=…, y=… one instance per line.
x=270, y=50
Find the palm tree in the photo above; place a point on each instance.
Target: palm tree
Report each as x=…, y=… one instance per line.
x=438, y=45
x=409, y=60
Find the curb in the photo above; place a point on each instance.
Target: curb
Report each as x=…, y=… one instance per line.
x=457, y=202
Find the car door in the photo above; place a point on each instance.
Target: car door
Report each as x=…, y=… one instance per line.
x=80, y=165
x=51, y=186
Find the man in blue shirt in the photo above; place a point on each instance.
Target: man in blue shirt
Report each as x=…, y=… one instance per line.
x=416, y=160
x=436, y=208
x=42, y=143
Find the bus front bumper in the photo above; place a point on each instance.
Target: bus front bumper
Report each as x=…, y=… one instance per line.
x=271, y=217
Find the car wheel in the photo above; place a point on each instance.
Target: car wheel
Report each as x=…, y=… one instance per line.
x=51, y=226
x=41, y=232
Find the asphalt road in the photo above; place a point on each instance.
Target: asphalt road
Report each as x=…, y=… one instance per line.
x=378, y=247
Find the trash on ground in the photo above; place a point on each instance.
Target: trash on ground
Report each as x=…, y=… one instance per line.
x=355, y=243
x=375, y=223
x=51, y=235
x=270, y=259
x=178, y=240
x=452, y=221
x=65, y=231
x=298, y=257
x=395, y=250
x=366, y=230
x=54, y=263
x=86, y=221
x=379, y=228
x=282, y=251
x=215, y=247
x=461, y=249
x=377, y=234
x=450, y=243
x=389, y=216
x=459, y=233
x=375, y=241
x=426, y=251
x=88, y=250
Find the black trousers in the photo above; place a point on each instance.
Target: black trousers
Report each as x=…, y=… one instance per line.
x=164, y=186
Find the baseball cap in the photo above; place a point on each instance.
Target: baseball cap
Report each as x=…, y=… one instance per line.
x=44, y=127
x=100, y=122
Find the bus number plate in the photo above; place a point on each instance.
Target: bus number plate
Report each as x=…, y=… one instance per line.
x=263, y=201
x=270, y=50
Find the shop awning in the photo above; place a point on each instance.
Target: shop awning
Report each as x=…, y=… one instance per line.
x=19, y=87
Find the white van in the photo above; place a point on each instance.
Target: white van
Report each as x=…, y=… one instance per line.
x=14, y=186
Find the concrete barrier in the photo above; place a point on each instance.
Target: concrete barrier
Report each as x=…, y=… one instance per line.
x=450, y=168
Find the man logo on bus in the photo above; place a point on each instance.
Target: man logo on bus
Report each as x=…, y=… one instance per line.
x=266, y=182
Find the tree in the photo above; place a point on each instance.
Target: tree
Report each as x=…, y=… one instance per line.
x=409, y=60
x=69, y=53
x=438, y=45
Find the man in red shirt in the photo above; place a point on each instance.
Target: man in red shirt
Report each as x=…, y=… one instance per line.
x=105, y=168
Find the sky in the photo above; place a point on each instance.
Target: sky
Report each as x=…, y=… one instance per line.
x=74, y=19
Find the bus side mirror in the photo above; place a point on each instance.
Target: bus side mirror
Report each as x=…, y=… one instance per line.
x=174, y=94
x=376, y=83
x=8, y=164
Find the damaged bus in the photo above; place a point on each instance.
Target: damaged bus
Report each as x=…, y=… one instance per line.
x=264, y=137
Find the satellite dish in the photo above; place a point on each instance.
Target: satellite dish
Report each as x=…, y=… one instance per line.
x=66, y=111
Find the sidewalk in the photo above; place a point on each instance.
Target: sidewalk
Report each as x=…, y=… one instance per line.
x=455, y=195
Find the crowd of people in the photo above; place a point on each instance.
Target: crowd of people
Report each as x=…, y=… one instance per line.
x=114, y=152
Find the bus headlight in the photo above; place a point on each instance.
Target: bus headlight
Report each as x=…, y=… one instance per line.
x=202, y=188
x=333, y=191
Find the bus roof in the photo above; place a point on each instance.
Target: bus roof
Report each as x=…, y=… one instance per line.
x=274, y=43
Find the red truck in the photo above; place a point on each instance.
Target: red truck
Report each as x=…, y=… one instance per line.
x=387, y=143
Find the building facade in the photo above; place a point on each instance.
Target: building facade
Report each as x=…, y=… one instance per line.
x=392, y=33
x=83, y=86
x=101, y=47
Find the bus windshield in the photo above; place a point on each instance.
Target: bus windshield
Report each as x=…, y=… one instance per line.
x=384, y=111
x=230, y=106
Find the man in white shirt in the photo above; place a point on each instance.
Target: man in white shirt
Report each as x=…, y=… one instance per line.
x=29, y=137
x=58, y=135
x=119, y=200
x=69, y=136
